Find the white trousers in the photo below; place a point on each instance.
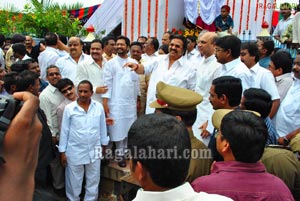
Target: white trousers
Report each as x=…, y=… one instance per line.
x=121, y=146
x=74, y=178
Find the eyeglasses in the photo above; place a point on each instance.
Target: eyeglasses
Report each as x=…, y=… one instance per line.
x=67, y=89
x=52, y=74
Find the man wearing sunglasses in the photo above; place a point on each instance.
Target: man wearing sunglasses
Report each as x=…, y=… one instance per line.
x=66, y=87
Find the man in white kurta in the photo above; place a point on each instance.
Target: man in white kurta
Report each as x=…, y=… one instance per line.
x=120, y=101
x=82, y=135
x=288, y=115
x=173, y=69
x=206, y=73
x=92, y=70
x=181, y=73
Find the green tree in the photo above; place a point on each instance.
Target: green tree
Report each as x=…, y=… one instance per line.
x=39, y=17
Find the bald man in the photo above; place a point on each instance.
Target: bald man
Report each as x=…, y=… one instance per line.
x=206, y=73
x=68, y=64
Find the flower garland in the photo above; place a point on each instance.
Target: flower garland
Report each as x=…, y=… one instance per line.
x=156, y=18
x=166, y=15
x=241, y=16
x=186, y=32
x=248, y=15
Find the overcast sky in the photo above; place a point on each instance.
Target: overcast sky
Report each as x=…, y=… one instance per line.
x=19, y=4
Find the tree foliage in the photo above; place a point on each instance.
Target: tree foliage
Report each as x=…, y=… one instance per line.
x=39, y=17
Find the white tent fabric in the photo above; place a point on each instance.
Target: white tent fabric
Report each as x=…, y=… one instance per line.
x=208, y=9
x=107, y=16
x=247, y=15
x=151, y=17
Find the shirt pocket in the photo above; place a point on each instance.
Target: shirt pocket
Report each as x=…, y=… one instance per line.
x=78, y=122
x=94, y=123
x=127, y=85
x=291, y=110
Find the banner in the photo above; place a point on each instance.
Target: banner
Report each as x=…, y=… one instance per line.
x=83, y=14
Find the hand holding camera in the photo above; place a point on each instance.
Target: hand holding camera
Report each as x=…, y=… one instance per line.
x=20, y=149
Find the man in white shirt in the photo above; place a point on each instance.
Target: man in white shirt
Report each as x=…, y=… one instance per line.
x=120, y=101
x=288, y=115
x=68, y=65
x=136, y=50
x=172, y=69
x=192, y=54
x=142, y=40
x=263, y=78
x=281, y=66
x=227, y=53
x=150, y=48
x=166, y=38
x=81, y=139
x=92, y=70
x=50, y=55
x=206, y=72
x=50, y=98
x=285, y=11
x=159, y=171
x=19, y=52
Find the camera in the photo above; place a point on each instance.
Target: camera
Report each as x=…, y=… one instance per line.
x=9, y=107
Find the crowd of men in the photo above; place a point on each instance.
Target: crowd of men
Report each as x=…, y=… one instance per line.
x=236, y=101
